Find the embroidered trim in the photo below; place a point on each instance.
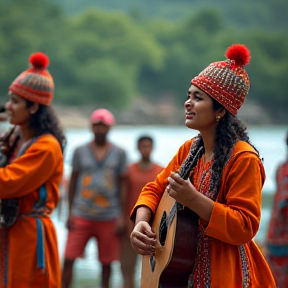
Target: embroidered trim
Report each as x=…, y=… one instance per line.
x=245, y=267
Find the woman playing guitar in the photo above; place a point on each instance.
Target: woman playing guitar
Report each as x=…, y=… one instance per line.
x=223, y=187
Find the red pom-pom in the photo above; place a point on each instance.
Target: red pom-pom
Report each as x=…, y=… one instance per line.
x=239, y=53
x=39, y=60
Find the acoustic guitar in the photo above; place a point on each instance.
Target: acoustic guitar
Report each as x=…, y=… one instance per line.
x=176, y=229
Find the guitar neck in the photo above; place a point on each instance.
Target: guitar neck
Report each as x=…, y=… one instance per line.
x=189, y=164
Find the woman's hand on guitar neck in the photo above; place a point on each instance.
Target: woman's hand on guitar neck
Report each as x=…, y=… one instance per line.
x=143, y=239
x=184, y=192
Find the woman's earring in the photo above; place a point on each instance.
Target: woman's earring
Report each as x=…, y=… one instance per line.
x=218, y=117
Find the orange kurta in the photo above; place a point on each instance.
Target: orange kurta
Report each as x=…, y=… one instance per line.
x=41, y=164
x=235, y=260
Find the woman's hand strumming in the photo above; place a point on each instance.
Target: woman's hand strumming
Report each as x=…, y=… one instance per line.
x=143, y=239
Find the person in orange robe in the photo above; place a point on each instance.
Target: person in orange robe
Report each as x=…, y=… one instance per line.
x=218, y=175
x=29, y=251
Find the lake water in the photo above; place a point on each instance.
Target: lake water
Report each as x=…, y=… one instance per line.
x=269, y=140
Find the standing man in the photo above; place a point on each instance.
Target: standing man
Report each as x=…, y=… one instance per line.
x=139, y=174
x=97, y=194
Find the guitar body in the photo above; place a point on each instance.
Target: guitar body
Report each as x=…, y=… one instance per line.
x=175, y=250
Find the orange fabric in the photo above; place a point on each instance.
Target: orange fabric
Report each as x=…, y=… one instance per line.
x=235, y=218
x=138, y=178
x=41, y=163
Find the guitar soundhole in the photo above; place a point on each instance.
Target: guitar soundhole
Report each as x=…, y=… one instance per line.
x=163, y=229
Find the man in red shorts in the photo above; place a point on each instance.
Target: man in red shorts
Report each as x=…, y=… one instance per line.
x=97, y=194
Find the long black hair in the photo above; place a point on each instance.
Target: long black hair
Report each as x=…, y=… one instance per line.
x=229, y=131
x=43, y=121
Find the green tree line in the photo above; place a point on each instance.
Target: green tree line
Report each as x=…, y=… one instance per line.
x=111, y=57
x=264, y=14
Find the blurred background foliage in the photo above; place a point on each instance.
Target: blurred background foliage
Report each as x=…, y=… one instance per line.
x=111, y=52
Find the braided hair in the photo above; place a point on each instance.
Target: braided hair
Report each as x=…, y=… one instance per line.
x=229, y=131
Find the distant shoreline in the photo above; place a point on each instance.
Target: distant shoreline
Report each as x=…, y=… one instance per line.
x=145, y=113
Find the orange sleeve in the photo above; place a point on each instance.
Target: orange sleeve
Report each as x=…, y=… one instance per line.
x=237, y=221
x=152, y=192
x=28, y=172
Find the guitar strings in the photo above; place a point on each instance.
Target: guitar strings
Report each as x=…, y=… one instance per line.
x=184, y=173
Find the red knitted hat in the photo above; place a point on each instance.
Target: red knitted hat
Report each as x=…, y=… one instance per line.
x=35, y=84
x=227, y=81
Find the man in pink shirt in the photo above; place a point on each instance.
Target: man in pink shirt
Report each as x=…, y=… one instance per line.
x=139, y=173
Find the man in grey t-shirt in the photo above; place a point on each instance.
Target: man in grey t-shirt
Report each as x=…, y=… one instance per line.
x=97, y=195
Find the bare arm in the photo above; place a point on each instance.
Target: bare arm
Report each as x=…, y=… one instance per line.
x=123, y=188
x=142, y=238
x=71, y=190
x=203, y=206
x=143, y=214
